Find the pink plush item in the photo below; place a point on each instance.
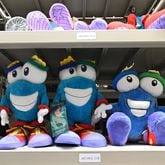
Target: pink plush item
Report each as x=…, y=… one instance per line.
x=155, y=20
x=120, y=25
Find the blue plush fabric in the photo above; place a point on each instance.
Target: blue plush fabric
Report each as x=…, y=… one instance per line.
x=78, y=114
x=25, y=88
x=138, y=124
x=127, y=123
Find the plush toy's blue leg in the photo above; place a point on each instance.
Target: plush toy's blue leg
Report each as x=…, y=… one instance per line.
x=69, y=137
x=156, y=125
x=118, y=127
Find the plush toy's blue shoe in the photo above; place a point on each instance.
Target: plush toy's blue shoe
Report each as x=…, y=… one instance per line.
x=92, y=139
x=118, y=127
x=68, y=138
x=156, y=126
x=39, y=138
x=13, y=140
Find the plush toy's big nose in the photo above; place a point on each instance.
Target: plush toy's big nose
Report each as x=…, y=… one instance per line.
x=22, y=87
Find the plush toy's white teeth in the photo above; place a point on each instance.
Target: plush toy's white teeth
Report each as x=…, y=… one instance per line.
x=24, y=103
x=138, y=108
x=78, y=97
x=138, y=112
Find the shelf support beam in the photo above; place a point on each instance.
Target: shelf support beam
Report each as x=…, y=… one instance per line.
x=102, y=56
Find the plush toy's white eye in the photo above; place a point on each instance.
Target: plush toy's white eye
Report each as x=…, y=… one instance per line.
x=14, y=75
x=86, y=71
x=128, y=83
x=152, y=86
x=33, y=74
x=67, y=73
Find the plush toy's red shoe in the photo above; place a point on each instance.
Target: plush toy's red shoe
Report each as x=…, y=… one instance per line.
x=155, y=20
x=39, y=138
x=17, y=138
x=89, y=138
x=120, y=26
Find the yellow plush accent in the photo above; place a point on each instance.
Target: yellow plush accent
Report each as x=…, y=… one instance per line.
x=154, y=71
x=39, y=60
x=66, y=60
x=128, y=67
x=13, y=63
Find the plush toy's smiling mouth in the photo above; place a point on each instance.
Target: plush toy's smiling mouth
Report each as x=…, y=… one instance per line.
x=24, y=103
x=78, y=97
x=138, y=108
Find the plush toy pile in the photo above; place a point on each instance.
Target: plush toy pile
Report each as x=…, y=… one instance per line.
x=61, y=19
x=26, y=98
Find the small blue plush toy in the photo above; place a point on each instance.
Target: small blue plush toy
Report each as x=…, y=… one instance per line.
x=26, y=98
x=78, y=89
x=136, y=116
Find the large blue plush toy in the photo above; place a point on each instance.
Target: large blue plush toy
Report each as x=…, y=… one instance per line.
x=137, y=116
x=26, y=98
x=78, y=89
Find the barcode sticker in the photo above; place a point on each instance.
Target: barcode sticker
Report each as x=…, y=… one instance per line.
x=89, y=157
x=86, y=35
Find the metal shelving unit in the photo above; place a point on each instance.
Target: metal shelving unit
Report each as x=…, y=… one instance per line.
x=110, y=155
x=83, y=39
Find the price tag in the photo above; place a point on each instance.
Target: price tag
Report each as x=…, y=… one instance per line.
x=89, y=157
x=86, y=35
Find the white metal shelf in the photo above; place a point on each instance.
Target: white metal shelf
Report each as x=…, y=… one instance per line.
x=111, y=155
x=83, y=39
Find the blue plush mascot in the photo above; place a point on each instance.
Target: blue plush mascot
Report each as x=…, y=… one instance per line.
x=26, y=98
x=137, y=116
x=78, y=89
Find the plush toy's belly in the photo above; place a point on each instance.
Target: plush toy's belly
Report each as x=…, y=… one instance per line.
x=138, y=126
x=79, y=114
x=28, y=116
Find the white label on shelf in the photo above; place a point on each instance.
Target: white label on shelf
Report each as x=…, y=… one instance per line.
x=86, y=35
x=89, y=157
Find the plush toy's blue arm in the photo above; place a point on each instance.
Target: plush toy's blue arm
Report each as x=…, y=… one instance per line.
x=57, y=97
x=44, y=97
x=4, y=101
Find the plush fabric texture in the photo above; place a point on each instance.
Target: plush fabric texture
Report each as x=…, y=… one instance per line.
x=24, y=88
x=80, y=114
x=131, y=118
x=155, y=20
x=24, y=99
x=36, y=20
x=80, y=95
x=60, y=15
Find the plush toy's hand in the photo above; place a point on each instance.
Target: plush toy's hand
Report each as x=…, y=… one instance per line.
x=4, y=117
x=41, y=114
x=100, y=111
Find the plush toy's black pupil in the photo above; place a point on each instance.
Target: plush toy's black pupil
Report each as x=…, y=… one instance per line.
x=83, y=68
x=26, y=71
x=154, y=82
x=71, y=70
x=129, y=79
x=14, y=73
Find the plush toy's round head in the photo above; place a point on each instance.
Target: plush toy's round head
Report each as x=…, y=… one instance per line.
x=13, y=71
x=152, y=82
x=67, y=68
x=87, y=69
x=35, y=70
x=126, y=81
